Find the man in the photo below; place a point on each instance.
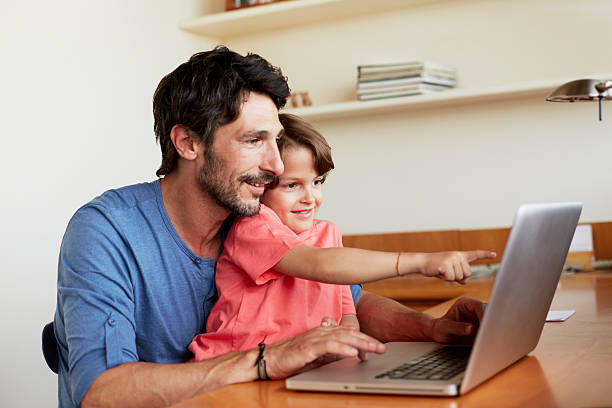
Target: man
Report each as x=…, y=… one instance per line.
x=136, y=268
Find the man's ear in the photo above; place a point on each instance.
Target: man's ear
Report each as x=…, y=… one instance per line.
x=185, y=145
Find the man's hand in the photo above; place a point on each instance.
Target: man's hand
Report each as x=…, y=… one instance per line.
x=452, y=266
x=317, y=347
x=460, y=323
x=388, y=320
x=349, y=320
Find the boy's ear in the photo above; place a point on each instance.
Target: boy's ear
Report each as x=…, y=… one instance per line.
x=185, y=145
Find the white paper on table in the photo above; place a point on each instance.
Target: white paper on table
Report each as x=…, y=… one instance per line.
x=559, y=315
x=583, y=239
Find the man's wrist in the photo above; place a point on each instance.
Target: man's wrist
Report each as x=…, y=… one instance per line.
x=239, y=367
x=411, y=325
x=426, y=324
x=251, y=362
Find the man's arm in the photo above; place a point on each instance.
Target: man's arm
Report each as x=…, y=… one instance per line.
x=152, y=385
x=143, y=384
x=388, y=320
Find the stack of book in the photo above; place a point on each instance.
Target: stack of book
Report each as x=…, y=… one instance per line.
x=410, y=78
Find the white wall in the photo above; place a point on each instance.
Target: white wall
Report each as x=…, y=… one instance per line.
x=467, y=166
x=77, y=84
x=78, y=78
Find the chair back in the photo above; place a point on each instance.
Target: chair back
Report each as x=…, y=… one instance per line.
x=49, y=347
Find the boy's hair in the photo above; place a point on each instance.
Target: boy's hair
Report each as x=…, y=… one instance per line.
x=299, y=133
x=207, y=92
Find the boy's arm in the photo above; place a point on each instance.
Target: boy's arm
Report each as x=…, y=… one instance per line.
x=352, y=265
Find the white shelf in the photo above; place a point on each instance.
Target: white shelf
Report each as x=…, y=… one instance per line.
x=342, y=110
x=288, y=14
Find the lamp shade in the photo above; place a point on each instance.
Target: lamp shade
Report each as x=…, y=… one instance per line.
x=579, y=90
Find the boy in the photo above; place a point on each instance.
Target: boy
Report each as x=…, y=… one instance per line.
x=283, y=271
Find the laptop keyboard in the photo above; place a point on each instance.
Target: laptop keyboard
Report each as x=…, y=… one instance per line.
x=441, y=364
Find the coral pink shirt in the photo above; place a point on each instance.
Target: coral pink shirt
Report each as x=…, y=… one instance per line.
x=257, y=303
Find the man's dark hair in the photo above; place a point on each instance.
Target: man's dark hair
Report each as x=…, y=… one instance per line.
x=207, y=92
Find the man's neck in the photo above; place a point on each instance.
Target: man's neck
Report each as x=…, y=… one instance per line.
x=195, y=215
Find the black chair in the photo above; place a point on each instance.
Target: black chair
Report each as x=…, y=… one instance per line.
x=49, y=347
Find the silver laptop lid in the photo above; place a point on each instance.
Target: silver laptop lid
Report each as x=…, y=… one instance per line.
x=525, y=284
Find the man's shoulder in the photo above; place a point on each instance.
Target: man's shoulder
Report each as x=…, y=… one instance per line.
x=124, y=206
x=126, y=197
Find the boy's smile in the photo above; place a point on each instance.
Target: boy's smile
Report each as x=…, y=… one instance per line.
x=297, y=197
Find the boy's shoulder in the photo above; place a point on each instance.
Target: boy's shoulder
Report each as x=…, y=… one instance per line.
x=324, y=234
x=265, y=216
x=267, y=213
x=269, y=221
x=324, y=224
x=269, y=217
x=325, y=228
x=265, y=222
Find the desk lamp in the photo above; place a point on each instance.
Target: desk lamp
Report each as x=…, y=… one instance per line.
x=582, y=90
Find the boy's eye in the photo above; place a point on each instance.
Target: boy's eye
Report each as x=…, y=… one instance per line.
x=318, y=182
x=290, y=185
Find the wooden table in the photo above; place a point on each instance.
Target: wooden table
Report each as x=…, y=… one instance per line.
x=570, y=367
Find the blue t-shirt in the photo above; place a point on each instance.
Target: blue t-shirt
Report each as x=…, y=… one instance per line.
x=129, y=289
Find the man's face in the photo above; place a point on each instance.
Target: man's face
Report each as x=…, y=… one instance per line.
x=243, y=157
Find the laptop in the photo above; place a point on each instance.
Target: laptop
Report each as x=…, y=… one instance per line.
x=511, y=326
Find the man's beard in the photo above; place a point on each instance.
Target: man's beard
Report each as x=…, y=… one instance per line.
x=223, y=190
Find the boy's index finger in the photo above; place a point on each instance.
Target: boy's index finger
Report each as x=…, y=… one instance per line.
x=479, y=254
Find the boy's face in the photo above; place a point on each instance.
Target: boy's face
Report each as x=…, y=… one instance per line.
x=297, y=197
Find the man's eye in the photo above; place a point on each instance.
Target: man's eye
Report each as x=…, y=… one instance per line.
x=253, y=141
